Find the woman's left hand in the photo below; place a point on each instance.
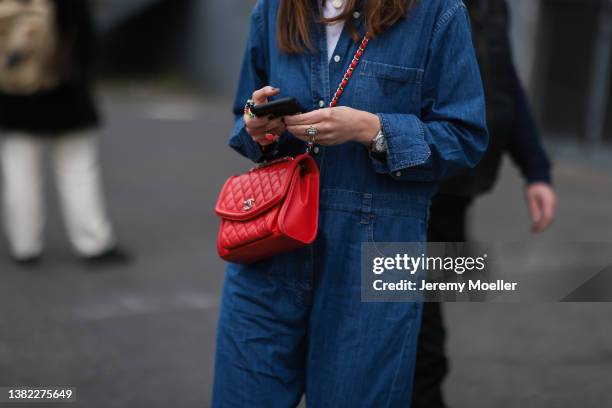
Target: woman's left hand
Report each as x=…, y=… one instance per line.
x=335, y=126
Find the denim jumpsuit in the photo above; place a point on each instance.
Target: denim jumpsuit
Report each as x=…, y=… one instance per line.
x=295, y=324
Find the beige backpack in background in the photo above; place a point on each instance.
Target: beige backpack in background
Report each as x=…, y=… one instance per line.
x=28, y=46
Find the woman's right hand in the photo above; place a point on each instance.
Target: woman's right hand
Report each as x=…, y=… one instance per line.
x=264, y=130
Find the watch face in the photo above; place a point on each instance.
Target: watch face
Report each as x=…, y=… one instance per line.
x=380, y=144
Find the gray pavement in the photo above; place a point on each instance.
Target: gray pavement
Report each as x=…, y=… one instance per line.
x=142, y=335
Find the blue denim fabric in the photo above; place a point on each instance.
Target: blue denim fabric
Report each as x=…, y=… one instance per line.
x=295, y=324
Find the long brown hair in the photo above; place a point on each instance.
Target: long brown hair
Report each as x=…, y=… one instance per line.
x=294, y=16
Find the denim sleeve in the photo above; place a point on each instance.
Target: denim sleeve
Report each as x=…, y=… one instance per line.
x=450, y=135
x=253, y=76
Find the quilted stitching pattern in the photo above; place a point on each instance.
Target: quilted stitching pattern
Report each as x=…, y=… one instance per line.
x=262, y=185
x=237, y=233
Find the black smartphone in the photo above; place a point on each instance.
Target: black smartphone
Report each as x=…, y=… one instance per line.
x=277, y=108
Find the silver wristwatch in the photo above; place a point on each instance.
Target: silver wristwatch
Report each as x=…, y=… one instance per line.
x=379, y=144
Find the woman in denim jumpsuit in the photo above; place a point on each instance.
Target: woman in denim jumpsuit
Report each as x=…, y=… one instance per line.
x=295, y=324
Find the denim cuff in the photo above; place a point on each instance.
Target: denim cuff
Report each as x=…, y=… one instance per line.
x=406, y=145
x=242, y=142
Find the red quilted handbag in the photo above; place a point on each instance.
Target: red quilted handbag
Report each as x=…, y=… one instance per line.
x=274, y=207
x=270, y=209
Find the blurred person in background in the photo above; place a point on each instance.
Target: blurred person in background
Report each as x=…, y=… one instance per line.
x=512, y=130
x=46, y=53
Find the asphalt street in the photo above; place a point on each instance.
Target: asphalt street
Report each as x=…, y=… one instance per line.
x=142, y=335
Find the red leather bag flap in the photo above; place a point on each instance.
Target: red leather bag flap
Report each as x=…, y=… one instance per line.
x=248, y=195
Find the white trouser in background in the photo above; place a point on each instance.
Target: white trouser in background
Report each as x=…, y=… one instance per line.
x=77, y=174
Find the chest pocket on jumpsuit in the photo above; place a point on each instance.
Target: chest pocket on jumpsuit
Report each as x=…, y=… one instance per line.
x=386, y=88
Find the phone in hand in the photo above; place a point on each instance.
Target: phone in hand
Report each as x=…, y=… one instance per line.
x=278, y=108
